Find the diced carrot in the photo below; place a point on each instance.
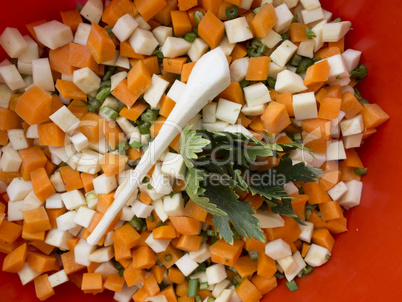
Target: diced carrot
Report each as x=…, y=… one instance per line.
x=352, y=159
x=189, y=242
x=211, y=29
x=264, y=285
x=152, y=64
x=92, y=267
x=289, y=232
x=163, y=16
x=113, y=133
x=133, y=276
x=3, y=137
x=134, y=154
x=32, y=159
x=69, y=264
x=323, y=238
x=27, y=233
x=275, y=118
x=42, y=186
x=34, y=106
x=59, y=60
x=334, y=91
x=339, y=44
x=138, y=80
x=116, y=9
x=367, y=133
x=186, y=71
x=43, y=247
x=181, y=291
x=287, y=100
x=305, y=249
x=239, y=51
x=350, y=105
x=174, y=65
x=37, y=219
x=87, y=180
x=122, y=253
x=158, y=272
x=153, y=222
x=100, y=44
x=151, y=285
x=71, y=243
x=134, y=112
x=247, y=290
x=245, y=267
x=373, y=115
x=329, y=179
x=126, y=236
x=15, y=260
x=191, y=12
x=316, y=194
x=9, y=120
x=233, y=93
x=167, y=105
x=156, y=126
x=30, y=27
x=149, y=8
x=43, y=289
x=327, y=52
x=222, y=10
x=53, y=214
x=317, y=73
x=320, y=126
x=298, y=204
x=176, y=276
x=185, y=5
x=123, y=94
x=336, y=226
x=264, y=20
x=258, y=68
x=90, y=127
x=165, y=232
x=193, y=210
x=297, y=32
x=81, y=57
x=186, y=225
x=127, y=51
x=211, y=5
x=71, y=18
x=51, y=135
x=266, y=267
x=78, y=107
x=172, y=251
x=92, y=283
x=104, y=202
x=40, y=262
x=181, y=22
x=113, y=164
x=225, y=253
x=329, y=109
x=71, y=178
x=254, y=245
x=330, y=210
x=169, y=293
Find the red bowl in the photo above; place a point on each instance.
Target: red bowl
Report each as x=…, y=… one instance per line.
x=366, y=264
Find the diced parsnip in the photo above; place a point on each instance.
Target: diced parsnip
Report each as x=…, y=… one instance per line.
x=102, y=255
x=141, y=210
x=285, y=18
x=10, y=160
x=161, y=33
x=269, y=220
x=256, y=94
x=176, y=90
x=173, y=206
x=160, y=182
x=31, y=52
x=32, y=132
x=143, y=42
x=125, y=294
x=12, y=77
x=283, y=53
x=290, y=188
x=158, y=207
x=57, y=182
x=216, y=273
x=219, y=287
x=104, y=184
x=126, y=214
x=66, y=222
x=175, y=47
x=86, y=80
x=84, y=216
x=114, y=60
x=158, y=298
x=173, y=166
x=82, y=251
x=73, y=199
x=31, y=201
x=338, y=191
x=79, y=141
x=15, y=210
x=226, y=296
x=238, y=30
x=217, y=126
x=24, y=68
x=336, y=150
x=142, y=23
x=305, y=106
x=313, y=15
x=58, y=238
x=272, y=39
x=351, y=58
x=92, y=10
x=352, y=141
x=89, y=162
x=352, y=126
x=151, y=192
x=106, y=269
x=123, y=62
x=246, y=4
x=238, y=129
x=13, y=42
x=202, y=254
x=155, y=92
x=288, y=81
x=197, y=50
x=75, y=231
x=288, y=265
x=5, y=96
x=54, y=34
x=125, y=27
x=54, y=202
x=277, y=249
x=238, y=69
x=318, y=159
x=18, y=189
x=228, y=111
x=117, y=78
x=27, y=274
x=310, y=4
x=352, y=196
x=274, y=70
x=297, y=257
x=317, y=29
x=333, y=32
x=226, y=46
x=156, y=245
x=64, y=153
x=82, y=34
x=58, y=278
x=307, y=231
x=317, y=255
x=42, y=74
x=290, y=3
x=299, y=155
x=126, y=126
x=306, y=48
x=186, y=265
x=209, y=113
x=253, y=111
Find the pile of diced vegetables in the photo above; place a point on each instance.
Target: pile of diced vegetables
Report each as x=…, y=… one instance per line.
x=82, y=99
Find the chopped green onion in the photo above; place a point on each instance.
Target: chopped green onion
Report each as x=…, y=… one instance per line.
x=109, y=73
x=359, y=97
x=150, y=187
x=146, y=180
x=253, y=255
x=90, y=197
x=297, y=136
x=121, y=272
x=105, y=84
x=159, y=263
x=304, y=64
x=295, y=60
x=190, y=37
x=117, y=265
x=316, y=59
x=198, y=15
x=295, y=18
x=232, y=12
x=136, y=145
x=123, y=147
x=192, y=288
x=300, y=274
x=359, y=73
x=204, y=285
x=235, y=282
x=271, y=82
x=337, y=20
x=327, y=256
x=144, y=128
x=136, y=223
x=149, y=115
x=244, y=83
x=79, y=6
x=285, y=37
x=63, y=164
x=307, y=270
x=360, y=171
x=256, y=10
x=159, y=54
x=256, y=49
x=151, y=217
x=168, y=257
x=309, y=33
x=210, y=299
x=94, y=105
x=198, y=298
x=110, y=32
x=292, y=285
x=103, y=94
x=213, y=239
x=171, y=194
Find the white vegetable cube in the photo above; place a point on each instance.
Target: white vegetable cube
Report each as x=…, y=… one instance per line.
x=238, y=30
x=73, y=199
x=5, y=96
x=274, y=70
x=84, y=216
x=125, y=294
x=337, y=191
x=151, y=192
x=217, y=126
x=351, y=58
x=269, y=220
x=290, y=188
x=310, y=4
x=306, y=48
x=86, y=80
x=102, y=255
x=12, y=77
x=141, y=210
x=126, y=214
x=288, y=264
x=228, y=111
x=297, y=257
x=65, y=119
x=338, y=68
x=186, y=265
x=82, y=34
x=58, y=238
x=27, y=274
x=209, y=113
x=238, y=129
x=277, y=249
x=143, y=42
x=336, y=150
x=272, y=39
x=10, y=160
x=283, y=53
x=176, y=90
x=117, y=78
x=104, y=184
x=79, y=141
x=162, y=32
x=285, y=18
x=352, y=141
x=288, y=81
x=32, y=132
x=246, y=4
x=317, y=29
x=216, y=273
x=125, y=27
x=126, y=126
x=57, y=182
x=226, y=46
x=66, y=222
x=82, y=251
x=175, y=47
x=256, y=94
x=42, y=74
x=253, y=111
x=353, y=195
x=220, y=287
x=307, y=231
x=155, y=92
x=173, y=206
x=159, y=181
x=15, y=210
x=156, y=245
x=92, y=10
x=54, y=202
x=202, y=254
x=352, y=126
x=158, y=207
x=105, y=269
x=173, y=166
x=89, y=162
x=317, y=255
x=54, y=34
x=31, y=202
x=142, y=23
x=123, y=62
x=13, y=42
x=333, y=32
x=58, y=278
x=238, y=69
x=197, y=50
x=305, y=106
x=313, y=15
x=18, y=189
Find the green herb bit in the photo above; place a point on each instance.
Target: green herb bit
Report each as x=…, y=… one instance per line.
x=94, y=105
x=198, y=15
x=359, y=73
x=235, y=282
x=316, y=59
x=360, y=171
x=159, y=263
x=192, y=288
x=337, y=20
x=198, y=298
x=144, y=128
x=136, y=223
x=79, y=6
x=117, y=265
x=110, y=32
x=309, y=33
x=103, y=94
x=295, y=60
x=136, y=145
x=109, y=112
x=109, y=73
x=285, y=37
x=149, y=115
x=271, y=82
x=295, y=18
x=232, y=12
x=159, y=54
x=105, y=84
x=292, y=286
x=244, y=83
x=123, y=147
x=204, y=285
x=171, y=194
x=190, y=37
x=327, y=256
x=359, y=97
x=304, y=64
x=307, y=270
x=253, y=255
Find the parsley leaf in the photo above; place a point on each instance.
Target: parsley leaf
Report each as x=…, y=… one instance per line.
x=190, y=145
x=297, y=172
x=284, y=208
